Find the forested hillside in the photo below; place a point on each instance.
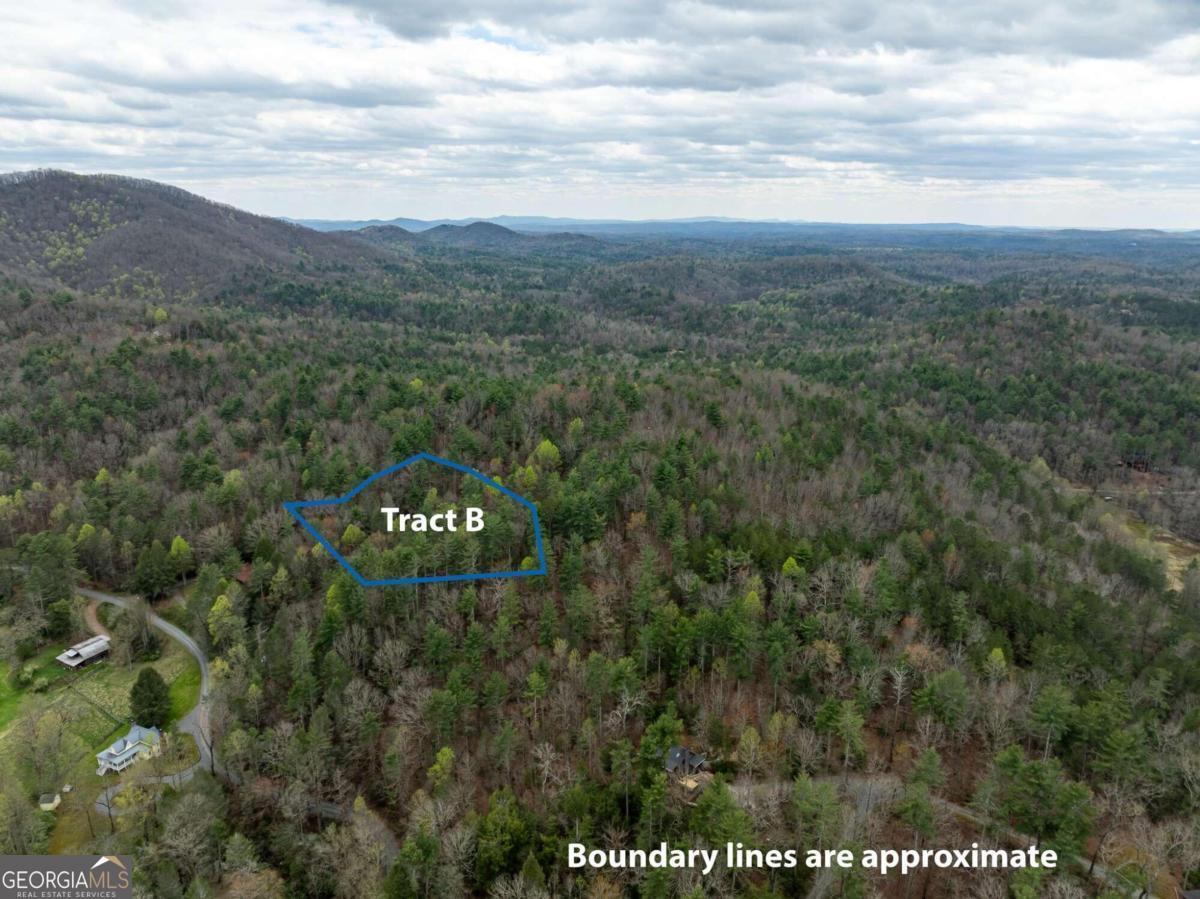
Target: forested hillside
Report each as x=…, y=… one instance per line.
x=899, y=538
x=120, y=237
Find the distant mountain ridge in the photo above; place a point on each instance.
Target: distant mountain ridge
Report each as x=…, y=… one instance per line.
x=727, y=227
x=476, y=235
x=490, y=235
x=512, y=222
x=107, y=234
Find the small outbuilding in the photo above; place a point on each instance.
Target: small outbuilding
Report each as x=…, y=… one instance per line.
x=48, y=802
x=91, y=650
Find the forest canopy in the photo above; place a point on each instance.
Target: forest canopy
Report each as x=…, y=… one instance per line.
x=899, y=543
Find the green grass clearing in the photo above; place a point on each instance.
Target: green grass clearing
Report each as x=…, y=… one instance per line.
x=96, y=700
x=71, y=828
x=45, y=674
x=185, y=690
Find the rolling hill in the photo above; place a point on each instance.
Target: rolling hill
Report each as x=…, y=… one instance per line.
x=111, y=235
x=490, y=236
x=390, y=236
x=108, y=234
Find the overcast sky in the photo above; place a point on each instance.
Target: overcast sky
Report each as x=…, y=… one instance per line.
x=1030, y=112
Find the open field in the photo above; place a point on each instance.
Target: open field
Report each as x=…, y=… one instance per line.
x=185, y=690
x=95, y=703
x=1180, y=554
x=81, y=703
x=1176, y=553
x=95, y=700
x=45, y=674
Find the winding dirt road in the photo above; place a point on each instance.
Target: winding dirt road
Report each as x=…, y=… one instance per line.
x=91, y=617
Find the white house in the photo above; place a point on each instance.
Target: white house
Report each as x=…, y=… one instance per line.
x=139, y=743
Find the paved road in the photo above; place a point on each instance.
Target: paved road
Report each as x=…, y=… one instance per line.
x=194, y=722
x=175, y=633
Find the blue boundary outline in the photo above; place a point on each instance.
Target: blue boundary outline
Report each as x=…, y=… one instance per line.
x=295, y=506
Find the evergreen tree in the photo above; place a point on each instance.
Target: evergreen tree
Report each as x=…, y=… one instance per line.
x=531, y=872
x=305, y=689
x=817, y=813
x=946, y=697
x=155, y=573
x=150, y=699
x=503, y=838
x=717, y=819
x=1051, y=715
x=927, y=770
x=1038, y=799
x=1122, y=756
x=49, y=561
x=849, y=728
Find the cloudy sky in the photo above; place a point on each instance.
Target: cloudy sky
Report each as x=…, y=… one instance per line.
x=1031, y=112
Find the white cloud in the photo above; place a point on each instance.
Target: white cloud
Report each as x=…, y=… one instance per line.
x=1048, y=112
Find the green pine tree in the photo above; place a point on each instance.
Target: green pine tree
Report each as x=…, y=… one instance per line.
x=150, y=699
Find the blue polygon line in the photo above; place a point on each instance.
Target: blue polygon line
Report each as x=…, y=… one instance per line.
x=293, y=507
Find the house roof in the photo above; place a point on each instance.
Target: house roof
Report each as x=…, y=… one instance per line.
x=135, y=741
x=83, y=651
x=682, y=759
